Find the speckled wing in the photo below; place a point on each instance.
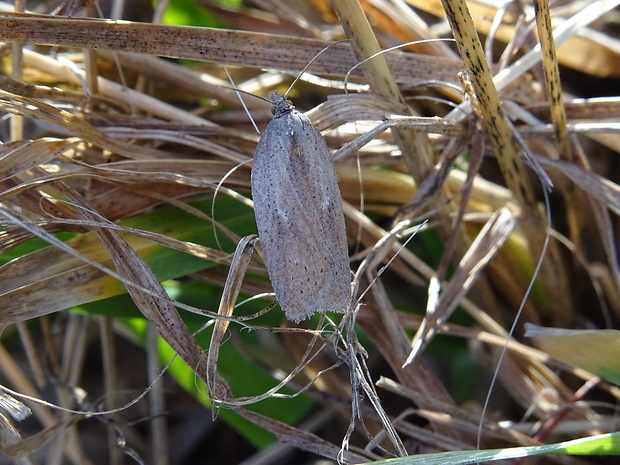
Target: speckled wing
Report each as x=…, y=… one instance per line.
x=299, y=215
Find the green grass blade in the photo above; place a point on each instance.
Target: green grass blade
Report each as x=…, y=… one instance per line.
x=604, y=444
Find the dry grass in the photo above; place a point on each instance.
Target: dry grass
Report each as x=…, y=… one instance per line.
x=113, y=155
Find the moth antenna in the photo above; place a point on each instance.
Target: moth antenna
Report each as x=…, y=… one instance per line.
x=310, y=62
x=237, y=91
x=395, y=47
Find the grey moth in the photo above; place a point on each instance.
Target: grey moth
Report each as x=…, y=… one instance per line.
x=299, y=216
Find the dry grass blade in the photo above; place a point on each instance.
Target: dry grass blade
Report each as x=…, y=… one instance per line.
x=443, y=301
x=552, y=77
x=24, y=106
x=206, y=44
x=511, y=164
x=588, y=51
x=598, y=349
x=26, y=447
x=155, y=305
x=34, y=285
x=302, y=439
x=382, y=81
x=605, y=191
x=456, y=414
x=22, y=156
x=558, y=113
x=238, y=267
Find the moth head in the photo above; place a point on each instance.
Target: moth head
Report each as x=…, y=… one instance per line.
x=281, y=105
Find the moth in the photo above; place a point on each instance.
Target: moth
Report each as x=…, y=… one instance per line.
x=299, y=216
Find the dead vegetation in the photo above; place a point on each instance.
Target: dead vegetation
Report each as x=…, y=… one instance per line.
x=125, y=192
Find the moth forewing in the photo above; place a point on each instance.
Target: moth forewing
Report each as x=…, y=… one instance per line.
x=299, y=216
